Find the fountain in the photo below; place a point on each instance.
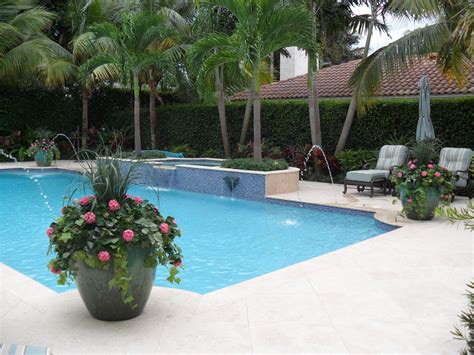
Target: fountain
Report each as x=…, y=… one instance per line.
x=309, y=155
x=9, y=156
x=231, y=182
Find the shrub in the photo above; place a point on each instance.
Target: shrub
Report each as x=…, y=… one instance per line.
x=185, y=149
x=146, y=154
x=213, y=153
x=251, y=164
x=354, y=159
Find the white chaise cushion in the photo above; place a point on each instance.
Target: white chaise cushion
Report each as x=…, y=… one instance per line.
x=367, y=175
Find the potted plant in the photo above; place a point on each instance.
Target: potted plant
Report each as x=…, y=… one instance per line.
x=110, y=243
x=43, y=150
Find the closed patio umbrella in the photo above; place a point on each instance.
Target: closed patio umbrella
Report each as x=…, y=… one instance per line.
x=424, y=128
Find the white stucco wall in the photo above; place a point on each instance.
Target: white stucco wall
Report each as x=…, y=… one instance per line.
x=296, y=65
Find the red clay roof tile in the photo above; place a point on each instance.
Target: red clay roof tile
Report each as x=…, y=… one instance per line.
x=332, y=82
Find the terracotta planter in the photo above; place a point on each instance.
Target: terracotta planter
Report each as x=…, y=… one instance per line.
x=43, y=158
x=106, y=304
x=419, y=210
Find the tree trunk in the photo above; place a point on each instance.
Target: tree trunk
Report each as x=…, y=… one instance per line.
x=152, y=119
x=248, y=111
x=221, y=108
x=313, y=103
x=341, y=144
x=136, y=116
x=257, y=135
x=85, y=117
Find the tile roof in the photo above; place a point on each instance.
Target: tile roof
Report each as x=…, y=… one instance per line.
x=332, y=82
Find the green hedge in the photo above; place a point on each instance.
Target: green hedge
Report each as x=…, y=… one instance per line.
x=286, y=123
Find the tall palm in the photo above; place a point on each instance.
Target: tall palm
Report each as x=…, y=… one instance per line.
x=263, y=27
x=378, y=8
x=72, y=66
x=125, y=51
x=451, y=37
x=178, y=13
x=23, y=45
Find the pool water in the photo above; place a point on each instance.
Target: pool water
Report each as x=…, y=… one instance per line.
x=225, y=241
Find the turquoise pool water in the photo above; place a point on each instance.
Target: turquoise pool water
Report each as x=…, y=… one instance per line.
x=225, y=241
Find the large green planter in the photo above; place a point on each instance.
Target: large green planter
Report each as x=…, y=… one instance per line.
x=43, y=158
x=421, y=210
x=106, y=304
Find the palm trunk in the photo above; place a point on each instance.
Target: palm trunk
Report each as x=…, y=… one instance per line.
x=341, y=144
x=248, y=111
x=152, y=118
x=313, y=103
x=136, y=115
x=257, y=134
x=221, y=108
x=85, y=117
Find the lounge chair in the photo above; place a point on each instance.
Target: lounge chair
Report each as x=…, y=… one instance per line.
x=23, y=349
x=390, y=156
x=458, y=161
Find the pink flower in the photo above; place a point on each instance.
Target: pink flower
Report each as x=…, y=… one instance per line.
x=49, y=232
x=412, y=167
x=155, y=210
x=89, y=217
x=90, y=197
x=164, y=228
x=409, y=200
x=128, y=235
x=113, y=205
x=399, y=174
x=138, y=200
x=104, y=256
x=84, y=201
x=174, y=221
x=178, y=263
x=424, y=173
x=409, y=163
x=437, y=174
x=415, y=161
x=430, y=166
x=127, y=196
x=445, y=168
x=55, y=270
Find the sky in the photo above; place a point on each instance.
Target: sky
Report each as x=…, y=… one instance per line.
x=397, y=28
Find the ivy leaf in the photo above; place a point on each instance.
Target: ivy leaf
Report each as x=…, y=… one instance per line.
x=111, y=240
x=79, y=222
x=65, y=237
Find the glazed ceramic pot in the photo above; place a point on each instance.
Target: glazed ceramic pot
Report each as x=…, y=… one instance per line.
x=421, y=210
x=43, y=158
x=106, y=303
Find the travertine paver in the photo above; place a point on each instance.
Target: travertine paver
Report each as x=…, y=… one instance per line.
x=399, y=292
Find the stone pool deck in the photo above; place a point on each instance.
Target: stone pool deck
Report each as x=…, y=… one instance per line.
x=399, y=292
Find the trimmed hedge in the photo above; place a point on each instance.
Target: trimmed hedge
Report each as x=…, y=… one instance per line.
x=251, y=164
x=286, y=123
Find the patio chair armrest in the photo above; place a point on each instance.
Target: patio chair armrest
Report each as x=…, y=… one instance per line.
x=392, y=168
x=458, y=174
x=366, y=166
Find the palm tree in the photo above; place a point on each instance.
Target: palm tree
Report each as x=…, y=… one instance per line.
x=72, y=66
x=23, y=45
x=126, y=51
x=450, y=37
x=262, y=27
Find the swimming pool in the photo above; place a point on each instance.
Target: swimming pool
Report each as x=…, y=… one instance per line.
x=225, y=241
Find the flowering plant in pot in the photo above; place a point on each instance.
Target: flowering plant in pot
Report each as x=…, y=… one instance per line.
x=110, y=243
x=421, y=183
x=44, y=151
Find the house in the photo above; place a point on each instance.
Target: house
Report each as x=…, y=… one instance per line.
x=332, y=82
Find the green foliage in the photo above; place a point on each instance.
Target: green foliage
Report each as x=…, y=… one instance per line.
x=354, y=159
x=92, y=227
x=146, y=154
x=185, y=149
x=467, y=320
x=425, y=151
x=251, y=164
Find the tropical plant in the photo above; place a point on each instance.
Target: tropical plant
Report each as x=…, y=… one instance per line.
x=355, y=159
x=467, y=320
x=262, y=27
x=125, y=50
x=450, y=37
x=71, y=66
x=45, y=146
x=378, y=8
x=99, y=229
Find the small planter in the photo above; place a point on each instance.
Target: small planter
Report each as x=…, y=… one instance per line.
x=106, y=303
x=43, y=158
x=424, y=209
